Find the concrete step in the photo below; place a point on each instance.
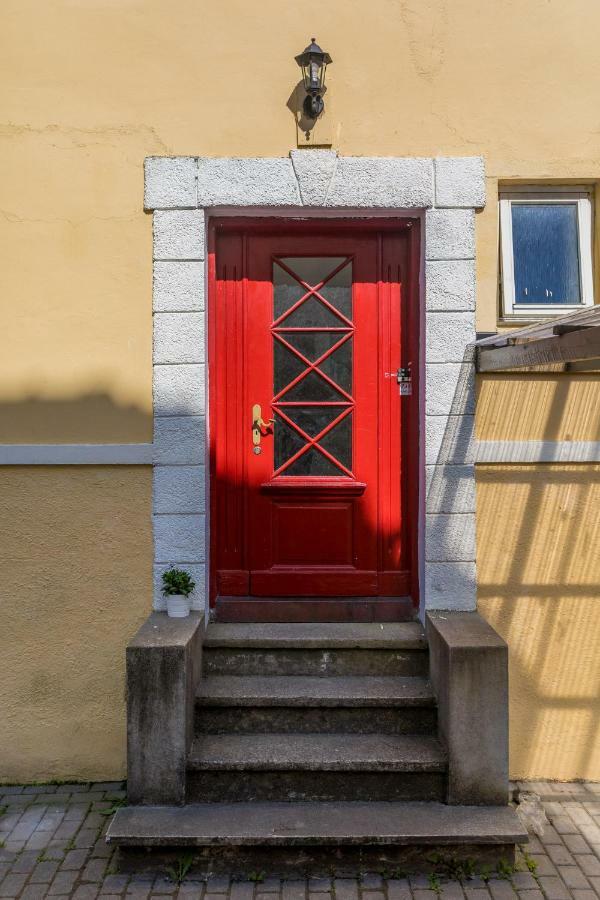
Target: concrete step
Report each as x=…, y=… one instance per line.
x=312, y=719
x=296, y=661
x=310, y=752
x=315, y=767
x=310, y=648
x=317, y=635
x=297, y=690
x=289, y=839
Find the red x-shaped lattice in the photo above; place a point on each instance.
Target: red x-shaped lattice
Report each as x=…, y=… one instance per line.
x=279, y=330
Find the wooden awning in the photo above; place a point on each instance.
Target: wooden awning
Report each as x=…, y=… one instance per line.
x=561, y=343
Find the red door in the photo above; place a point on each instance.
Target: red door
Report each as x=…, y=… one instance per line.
x=313, y=448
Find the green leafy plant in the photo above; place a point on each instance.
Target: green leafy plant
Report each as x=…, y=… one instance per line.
x=504, y=869
x=117, y=803
x=257, y=877
x=485, y=873
x=182, y=866
x=434, y=883
x=3, y=810
x=177, y=581
x=530, y=862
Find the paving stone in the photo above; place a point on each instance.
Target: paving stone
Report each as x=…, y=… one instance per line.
x=584, y=895
x=550, y=836
x=564, y=825
x=74, y=859
x=595, y=883
x=319, y=895
x=86, y=838
x=588, y=863
x=38, y=840
x=573, y=877
x=217, y=885
x=12, y=885
x=559, y=855
x=115, y=883
x=63, y=883
x=553, y=888
x=25, y=862
x=398, y=889
x=371, y=882
x=373, y=895
x=531, y=895
x=51, y=819
x=11, y=789
x=426, y=895
x=86, y=892
x=67, y=829
x=523, y=881
x=591, y=833
x=94, y=870
x=34, y=892
x=101, y=848
x=191, y=891
x=138, y=889
x=453, y=891
x=76, y=787
x=164, y=885
x=476, y=893
x=501, y=890
x=267, y=886
x=262, y=896
x=244, y=890
x=109, y=896
x=76, y=812
x=576, y=844
x=319, y=884
x=345, y=889
x=544, y=865
x=44, y=872
x=419, y=881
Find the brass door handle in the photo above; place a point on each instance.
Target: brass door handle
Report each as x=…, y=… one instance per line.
x=258, y=423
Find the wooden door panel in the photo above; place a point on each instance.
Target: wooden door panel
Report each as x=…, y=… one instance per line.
x=310, y=323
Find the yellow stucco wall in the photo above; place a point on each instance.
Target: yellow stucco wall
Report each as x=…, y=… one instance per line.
x=76, y=572
x=539, y=587
x=91, y=87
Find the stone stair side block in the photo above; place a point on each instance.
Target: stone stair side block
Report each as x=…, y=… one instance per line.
x=469, y=672
x=164, y=661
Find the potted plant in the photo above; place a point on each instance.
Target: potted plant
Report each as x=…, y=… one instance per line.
x=177, y=587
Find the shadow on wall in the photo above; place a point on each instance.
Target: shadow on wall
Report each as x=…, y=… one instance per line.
x=538, y=533
x=91, y=418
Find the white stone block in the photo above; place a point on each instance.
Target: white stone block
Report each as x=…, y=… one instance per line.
x=197, y=597
x=179, y=390
x=450, y=585
x=179, y=489
x=450, y=234
x=247, y=182
x=179, y=234
x=180, y=538
x=178, y=286
x=314, y=170
x=460, y=181
x=450, y=538
x=180, y=440
x=450, y=285
x=450, y=489
x=448, y=336
x=389, y=182
x=178, y=337
x=170, y=181
x=450, y=440
x=449, y=389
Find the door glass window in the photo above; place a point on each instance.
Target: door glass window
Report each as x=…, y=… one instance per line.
x=312, y=379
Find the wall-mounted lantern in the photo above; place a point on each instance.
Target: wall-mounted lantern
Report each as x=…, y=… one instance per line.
x=313, y=61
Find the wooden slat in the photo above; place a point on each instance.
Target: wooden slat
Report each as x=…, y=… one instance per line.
x=575, y=345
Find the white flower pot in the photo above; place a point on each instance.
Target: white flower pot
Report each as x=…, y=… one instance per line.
x=178, y=606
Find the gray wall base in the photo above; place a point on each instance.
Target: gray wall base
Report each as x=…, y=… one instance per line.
x=163, y=667
x=469, y=671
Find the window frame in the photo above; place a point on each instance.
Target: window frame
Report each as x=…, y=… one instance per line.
x=540, y=194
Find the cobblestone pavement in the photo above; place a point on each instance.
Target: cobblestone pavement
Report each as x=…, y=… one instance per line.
x=52, y=845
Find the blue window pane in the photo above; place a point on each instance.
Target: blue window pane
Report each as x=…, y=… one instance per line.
x=546, y=253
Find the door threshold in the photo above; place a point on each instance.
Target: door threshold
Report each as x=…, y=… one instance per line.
x=315, y=609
